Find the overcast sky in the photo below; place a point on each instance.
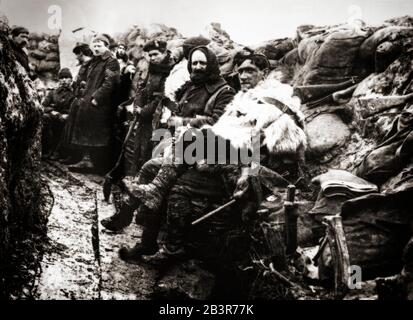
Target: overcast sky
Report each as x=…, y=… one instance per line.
x=247, y=21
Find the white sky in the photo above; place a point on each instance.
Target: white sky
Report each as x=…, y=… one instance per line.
x=247, y=21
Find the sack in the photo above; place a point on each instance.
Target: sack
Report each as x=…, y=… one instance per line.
x=52, y=56
x=49, y=66
x=38, y=54
x=330, y=58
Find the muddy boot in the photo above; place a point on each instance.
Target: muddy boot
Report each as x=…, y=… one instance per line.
x=83, y=166
x=148, y=246
x=166, y=256
x=140, y=216
x=120, y=219
x=152, y=195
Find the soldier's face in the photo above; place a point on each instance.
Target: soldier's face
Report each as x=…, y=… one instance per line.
x=98, y=48
x=156, y=57
x=199, y=62
x=65, y=82
x=249, y=75
x=22, y=40
x=121, y=51
x=80, y=58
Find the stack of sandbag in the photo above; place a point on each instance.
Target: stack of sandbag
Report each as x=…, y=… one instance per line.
x=43, y=51
x=353, y=82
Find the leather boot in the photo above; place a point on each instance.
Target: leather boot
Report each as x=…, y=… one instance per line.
x=140, y=216
x=152, y=195
x=166, y=256
x=121, y=218
x=148, y=244
x=85, y=165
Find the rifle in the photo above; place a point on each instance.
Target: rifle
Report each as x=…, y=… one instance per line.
x=110, y=178
x=213, y=212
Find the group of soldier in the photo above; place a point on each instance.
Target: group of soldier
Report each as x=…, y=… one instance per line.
x=84, y=129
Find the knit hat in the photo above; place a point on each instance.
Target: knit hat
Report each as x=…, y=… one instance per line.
x=193, y=42
x=155, y=45
x=19, y=30
x=65, y=73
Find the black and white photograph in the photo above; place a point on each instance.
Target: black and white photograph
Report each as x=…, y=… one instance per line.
x=197, y=151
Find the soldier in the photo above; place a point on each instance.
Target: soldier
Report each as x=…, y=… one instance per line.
x=20, y=37
x=201, y=101
x=93, y=130
x=194, y=107
x=83, y=55
x=56, y=108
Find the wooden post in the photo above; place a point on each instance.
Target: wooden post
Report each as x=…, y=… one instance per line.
x=274, y=237
x=290, y=218
x=339, y=252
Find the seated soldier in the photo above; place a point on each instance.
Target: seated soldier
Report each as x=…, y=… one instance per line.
x=56, y=107
x=201, y=100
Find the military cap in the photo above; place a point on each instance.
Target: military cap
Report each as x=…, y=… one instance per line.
x=155, y=45
x=65, y=73
x=104, y=38
x=19, y=30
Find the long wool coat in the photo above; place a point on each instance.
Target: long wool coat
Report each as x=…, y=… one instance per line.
x=94, y=124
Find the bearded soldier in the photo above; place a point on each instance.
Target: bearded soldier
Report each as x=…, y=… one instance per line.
x=200, y=101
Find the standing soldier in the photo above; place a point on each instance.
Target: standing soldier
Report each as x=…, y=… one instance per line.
x=83, y=56
x=93, y=131
x=20, y=37
x=146, y=102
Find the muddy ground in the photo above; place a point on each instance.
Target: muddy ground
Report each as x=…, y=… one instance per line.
x=80, y=259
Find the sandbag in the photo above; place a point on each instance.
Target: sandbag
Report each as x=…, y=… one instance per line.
x=38, y=54
x=377, y=228
x=372, y=234
x=330, y=58
x=52, y=56
x=291, y=58
x=276, y=49
x=48, y=66
x=326, y=132
x=369, y=46
x=389, y=157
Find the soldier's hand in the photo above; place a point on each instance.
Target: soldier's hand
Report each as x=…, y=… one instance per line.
x=137, y=109
x=94, y=102
x=130, y=69
x=174, y=122
x=241, y=187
